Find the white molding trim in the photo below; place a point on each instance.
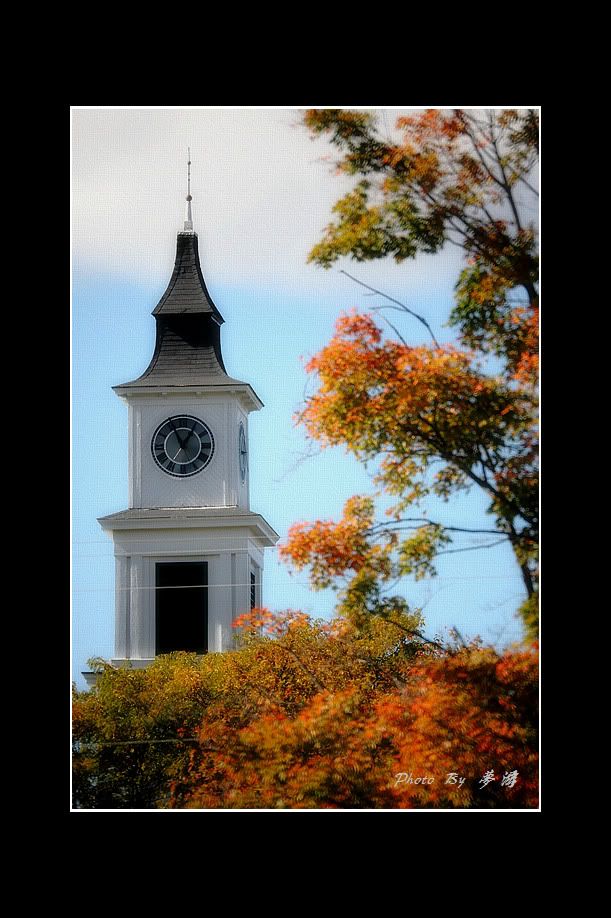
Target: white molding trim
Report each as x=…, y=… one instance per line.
x=247, y=395
x=190, y=518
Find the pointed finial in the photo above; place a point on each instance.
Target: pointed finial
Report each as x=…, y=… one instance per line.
x=188, y=214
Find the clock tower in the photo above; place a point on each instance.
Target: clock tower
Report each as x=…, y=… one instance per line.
x=188, y=550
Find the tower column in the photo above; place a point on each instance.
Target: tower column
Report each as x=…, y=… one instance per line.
x=142, y=648
x=122, y=606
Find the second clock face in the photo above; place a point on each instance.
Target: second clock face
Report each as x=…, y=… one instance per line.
x=243, y=453
x=182, y=446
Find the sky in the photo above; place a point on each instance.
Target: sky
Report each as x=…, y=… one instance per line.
x=262, y=194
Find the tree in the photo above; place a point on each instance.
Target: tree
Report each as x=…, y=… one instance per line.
x=134, y=730
x=441, y=716
x=312, y=714
x=437, y=419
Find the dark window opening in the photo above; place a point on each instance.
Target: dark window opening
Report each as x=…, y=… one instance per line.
x=253, y=591
x=181, y=607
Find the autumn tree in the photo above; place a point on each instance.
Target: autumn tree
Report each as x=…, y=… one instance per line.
x=315, y=715
x=134, y=730
x=445, y=715
x=437, y=419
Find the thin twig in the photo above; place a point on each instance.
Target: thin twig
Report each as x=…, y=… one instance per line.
x=394, y=524
x=392, y=300
x=388, y=322
x=451, y=551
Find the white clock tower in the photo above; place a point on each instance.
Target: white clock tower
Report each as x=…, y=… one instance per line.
x=188, y=551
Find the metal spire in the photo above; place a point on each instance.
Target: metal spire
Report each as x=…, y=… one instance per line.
x=188, y=214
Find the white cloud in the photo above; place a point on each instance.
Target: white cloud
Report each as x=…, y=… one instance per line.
x=261, y=198
x=257, y=185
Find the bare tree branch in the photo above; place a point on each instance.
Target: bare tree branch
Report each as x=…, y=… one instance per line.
x=452, y=551
x=423, y=519
x=398, y=303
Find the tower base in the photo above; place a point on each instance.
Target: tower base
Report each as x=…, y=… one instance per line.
x=183, y=575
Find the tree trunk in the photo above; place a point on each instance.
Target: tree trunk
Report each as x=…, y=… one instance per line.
x=527, y=577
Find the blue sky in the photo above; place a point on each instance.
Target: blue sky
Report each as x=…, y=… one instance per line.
x=261, y=196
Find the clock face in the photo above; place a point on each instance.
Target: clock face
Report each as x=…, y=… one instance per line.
x=182, y=446
x=243, y=453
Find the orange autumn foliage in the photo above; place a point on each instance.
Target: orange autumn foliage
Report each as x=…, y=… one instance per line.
x=332, y=548
x=413, y=410
x=468, y=178
x=459, y=712
x=315, y=715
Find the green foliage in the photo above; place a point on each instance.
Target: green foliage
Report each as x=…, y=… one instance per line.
x=368, y=232
x=416, y=554
x=131, y=731
x=490, y=317
x=529, y=612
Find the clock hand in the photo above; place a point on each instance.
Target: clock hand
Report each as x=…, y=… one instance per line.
x=193, y=434
x=178, y=437
x=183, y=444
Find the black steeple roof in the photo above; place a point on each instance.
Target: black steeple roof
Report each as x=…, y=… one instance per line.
x=187, y=293
x=188, y=345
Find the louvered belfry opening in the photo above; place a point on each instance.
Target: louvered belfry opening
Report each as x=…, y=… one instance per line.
x=187, y=348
